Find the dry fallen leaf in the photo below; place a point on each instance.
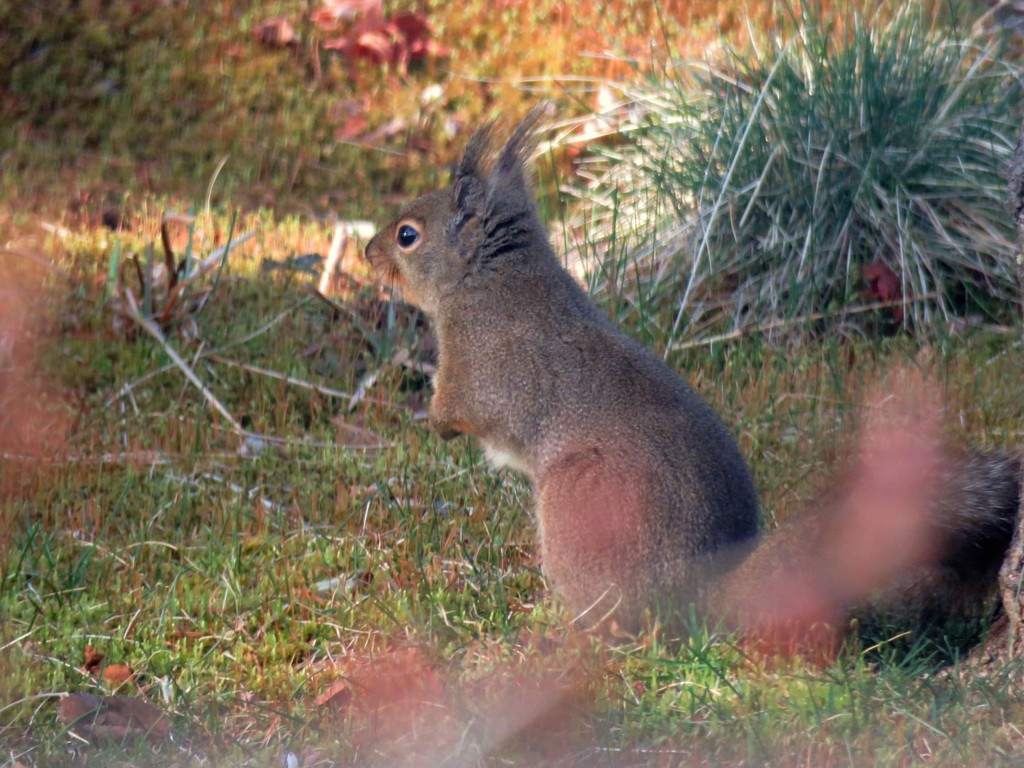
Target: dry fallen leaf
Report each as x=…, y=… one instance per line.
x=380, y=39
x=93, y=660
x=418, y=34
x=118, y=674
x=113, y=674
x=112, y=718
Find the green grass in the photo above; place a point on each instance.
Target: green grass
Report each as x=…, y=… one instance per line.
x=240, y=587
x=336, y=582
x=756, y=186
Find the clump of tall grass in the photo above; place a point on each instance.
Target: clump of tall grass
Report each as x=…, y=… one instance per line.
x=753, y=189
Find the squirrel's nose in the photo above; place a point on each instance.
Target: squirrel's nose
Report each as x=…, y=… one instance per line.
x=371, y=248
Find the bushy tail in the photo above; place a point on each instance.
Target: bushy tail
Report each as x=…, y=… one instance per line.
x=913, y=534
x=977, y=515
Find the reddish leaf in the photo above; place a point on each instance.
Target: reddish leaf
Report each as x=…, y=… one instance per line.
x=93, y=660
x=884, y=285
x=418, y=34
x=428, y=49
x=377, y=46
x=118, y=674
x=322, y=17
x=114, y=674
x=412, y=26
x=384, y=40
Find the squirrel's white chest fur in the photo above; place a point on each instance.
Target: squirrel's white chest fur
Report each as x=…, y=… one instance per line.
x=499, y=457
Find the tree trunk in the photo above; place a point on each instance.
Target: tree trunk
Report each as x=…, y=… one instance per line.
x=1006, y=640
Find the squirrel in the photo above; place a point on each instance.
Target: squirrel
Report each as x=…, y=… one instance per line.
x=641, y=492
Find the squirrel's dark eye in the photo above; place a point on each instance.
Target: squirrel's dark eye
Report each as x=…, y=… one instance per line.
x=407, y=236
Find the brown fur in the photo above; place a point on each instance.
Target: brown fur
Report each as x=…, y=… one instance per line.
x=637, y=481
x=640, y=489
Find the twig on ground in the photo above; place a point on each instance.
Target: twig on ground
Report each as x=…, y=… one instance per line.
x=363, y=393
x=368, y=381
x=55, y=229
x=334, y=254
x=331, y=303
x=253, y=441
x=126, y=389
x=149, y=458
x=279, y=376
x=777, y=324
x=214, y=258
x=195, y=360
x=263, y=328
x=153, y=330
x=124, y=432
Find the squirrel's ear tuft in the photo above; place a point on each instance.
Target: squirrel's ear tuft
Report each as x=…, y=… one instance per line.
x=511, y=169
x=474, y=159
x=482, y=182
x=469, y=195
x=470, y=199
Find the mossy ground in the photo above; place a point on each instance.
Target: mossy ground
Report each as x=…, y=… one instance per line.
x=340, y=584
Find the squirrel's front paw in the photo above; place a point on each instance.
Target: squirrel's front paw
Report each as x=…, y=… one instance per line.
x=448, y=430
x=448, y=433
